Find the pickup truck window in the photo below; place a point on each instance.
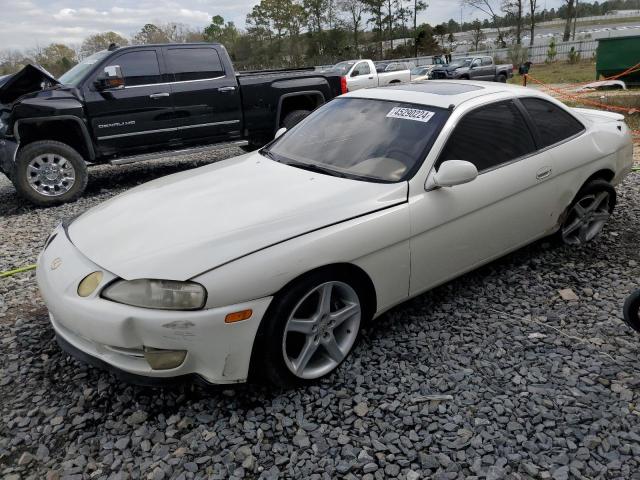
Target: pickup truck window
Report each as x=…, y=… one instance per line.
x=139, y=67
x=486, y=61
x=363, y=68
x=375, y=140
x=194, y=63
x=489, y=136
x=553, y=123
x=343, y=67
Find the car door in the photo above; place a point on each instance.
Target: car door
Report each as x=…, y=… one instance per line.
x=361, y=76
x=138, y=115
x=205, y=94
x=511, y=202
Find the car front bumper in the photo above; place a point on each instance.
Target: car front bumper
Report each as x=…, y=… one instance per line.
x=117, y=335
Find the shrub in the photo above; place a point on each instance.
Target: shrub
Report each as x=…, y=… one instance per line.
x=551, y=51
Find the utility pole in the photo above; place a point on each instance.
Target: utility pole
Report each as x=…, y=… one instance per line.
x=575, y=20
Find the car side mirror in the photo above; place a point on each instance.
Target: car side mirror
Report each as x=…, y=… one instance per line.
x=355, y=73
x=110, y=78
x=451, y=173
x=280, y=132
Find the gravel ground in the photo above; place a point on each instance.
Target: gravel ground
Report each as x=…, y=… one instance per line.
x=494, y=375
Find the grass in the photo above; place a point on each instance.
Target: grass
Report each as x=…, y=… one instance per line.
x=560, y=72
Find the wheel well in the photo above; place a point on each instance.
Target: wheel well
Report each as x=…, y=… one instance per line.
x=65, y=131
x=394, y=81
x=306, y=101
x=604, y=174
x=362, y=283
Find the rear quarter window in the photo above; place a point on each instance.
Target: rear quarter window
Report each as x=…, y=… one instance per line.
x=553, y=124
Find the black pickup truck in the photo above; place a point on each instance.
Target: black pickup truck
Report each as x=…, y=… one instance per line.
x=128, y=104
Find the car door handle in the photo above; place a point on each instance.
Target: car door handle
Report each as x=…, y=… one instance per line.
x=159, y=95
x=543, y=173
x=227, y=89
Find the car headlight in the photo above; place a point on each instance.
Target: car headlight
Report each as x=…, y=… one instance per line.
x=3, y=127
x=161, y=294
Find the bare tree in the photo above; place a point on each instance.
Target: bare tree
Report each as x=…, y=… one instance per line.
x=354, y=10
x=488, y=7
x=514, y=9
x=533, y=5
x=567, y=24
x=477, y=35
x=418, y=6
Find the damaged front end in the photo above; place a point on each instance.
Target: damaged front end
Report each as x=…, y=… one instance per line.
x=32, y=78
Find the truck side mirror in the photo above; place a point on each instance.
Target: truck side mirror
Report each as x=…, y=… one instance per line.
x=110, y=78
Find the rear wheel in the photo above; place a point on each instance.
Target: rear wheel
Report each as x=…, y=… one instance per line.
x=49, y=173
x=588, y=213
x=502, y=78
x=309, y=330
x=294, y=117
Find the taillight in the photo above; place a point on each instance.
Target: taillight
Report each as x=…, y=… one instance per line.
x=343, y=84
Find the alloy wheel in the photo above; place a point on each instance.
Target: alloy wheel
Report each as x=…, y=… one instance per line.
x=51, y=174
x=321, y=330
x=586, y=218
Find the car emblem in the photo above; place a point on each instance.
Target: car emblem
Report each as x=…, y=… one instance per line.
x=56, y=263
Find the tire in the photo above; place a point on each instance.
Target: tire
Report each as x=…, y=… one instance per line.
x=502, y=78
x=464, y=77
x=596, y=200
x=294, y=117
x=631, y=310
x=279, y=347
x=68, y=173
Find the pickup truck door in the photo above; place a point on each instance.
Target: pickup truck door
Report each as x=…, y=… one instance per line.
x=136, y=116
x=488, y=69
x=362, y=76
x=475, y=69
x=205, y=93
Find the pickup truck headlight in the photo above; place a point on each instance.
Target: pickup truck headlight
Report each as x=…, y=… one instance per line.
x=160, y=294
x=3, y=127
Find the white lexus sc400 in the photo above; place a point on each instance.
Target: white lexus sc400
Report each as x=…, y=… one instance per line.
x=267, y=265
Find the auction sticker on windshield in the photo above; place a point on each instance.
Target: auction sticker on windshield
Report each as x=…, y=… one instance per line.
x=410, y=114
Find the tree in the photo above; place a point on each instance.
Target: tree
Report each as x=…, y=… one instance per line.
x=374, y=7
x=354, y=10
x=213, y=31
x=57, y=58
x=418, y=6
x=100, y=41
x=513, y=10
x=567, y=25
x=477, y=35
x=150, y=33
x=389, y=19
x=440, y=31
x=451, y=39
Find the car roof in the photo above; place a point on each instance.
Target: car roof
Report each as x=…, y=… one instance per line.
x=442, y=93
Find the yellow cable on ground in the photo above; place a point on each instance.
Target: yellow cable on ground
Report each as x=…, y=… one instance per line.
x=17, y=270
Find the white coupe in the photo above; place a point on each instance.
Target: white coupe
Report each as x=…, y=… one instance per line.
x=267, y=265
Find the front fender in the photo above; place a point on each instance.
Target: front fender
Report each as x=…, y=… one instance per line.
x=8, y=149
x=377, y=243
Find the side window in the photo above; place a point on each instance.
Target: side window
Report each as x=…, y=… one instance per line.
x=486, y=61
x=139, y=68
x=194, y=63
x=489, y=136
x=363, y=68
x=552, y=122
x=476, y=62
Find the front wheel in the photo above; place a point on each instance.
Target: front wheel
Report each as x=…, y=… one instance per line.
x=49, y=173
x=588, y=213
x=309, y=330
x=631, y=310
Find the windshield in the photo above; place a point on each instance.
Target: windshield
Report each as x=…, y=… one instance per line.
x=342, y=67
x=74, y=76
x=366, y=139
x=463, y=62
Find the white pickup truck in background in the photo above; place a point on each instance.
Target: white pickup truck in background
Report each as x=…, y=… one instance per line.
x=364, y=73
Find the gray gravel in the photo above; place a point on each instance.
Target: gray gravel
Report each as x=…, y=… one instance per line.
x=494, y=375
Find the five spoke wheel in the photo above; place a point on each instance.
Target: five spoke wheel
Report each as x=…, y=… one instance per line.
x=586, y=218
x=321, y=329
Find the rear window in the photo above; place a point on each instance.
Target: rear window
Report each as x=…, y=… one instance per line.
x=194, y=63
x=552, y=122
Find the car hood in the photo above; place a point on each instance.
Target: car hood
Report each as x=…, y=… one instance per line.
x=30, y=79
x=184, y=224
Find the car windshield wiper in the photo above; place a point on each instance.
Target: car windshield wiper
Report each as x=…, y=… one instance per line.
x=315, y=168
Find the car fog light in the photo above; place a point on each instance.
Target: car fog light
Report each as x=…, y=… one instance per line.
x=89, y=284
x=160, y=359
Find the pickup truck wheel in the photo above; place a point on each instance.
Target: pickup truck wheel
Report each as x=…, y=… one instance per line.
x=502, y=78
x=294, y=117
x=49, y=173
x=631, y=310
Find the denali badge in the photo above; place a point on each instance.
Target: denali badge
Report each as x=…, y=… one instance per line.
x=56, y=263
x=117, y=124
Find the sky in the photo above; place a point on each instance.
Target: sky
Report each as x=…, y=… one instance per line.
x=25, y=24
